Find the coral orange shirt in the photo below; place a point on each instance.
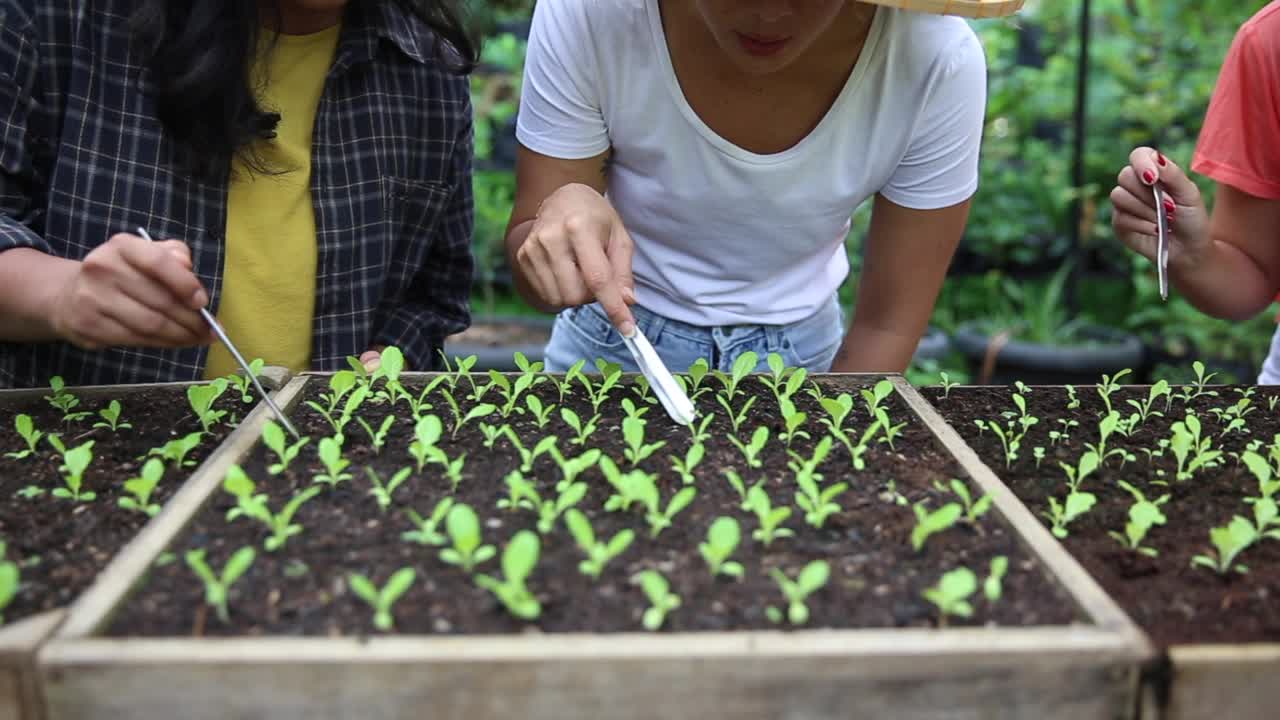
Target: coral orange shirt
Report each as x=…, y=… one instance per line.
x=1240, y=142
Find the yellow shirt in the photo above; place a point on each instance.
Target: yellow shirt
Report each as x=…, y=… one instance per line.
x=269, y=273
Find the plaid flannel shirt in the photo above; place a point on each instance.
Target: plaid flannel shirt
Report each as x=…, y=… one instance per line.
x=83, y=156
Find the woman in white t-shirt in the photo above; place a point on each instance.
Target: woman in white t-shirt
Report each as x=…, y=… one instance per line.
x=690, y=167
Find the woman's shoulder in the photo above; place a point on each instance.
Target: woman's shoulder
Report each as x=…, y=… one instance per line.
x=595, y=19
x=924, y=43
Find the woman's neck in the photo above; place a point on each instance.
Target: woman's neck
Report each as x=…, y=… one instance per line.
x=292, y=18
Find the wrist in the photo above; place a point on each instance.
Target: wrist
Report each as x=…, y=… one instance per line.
x=31, y=283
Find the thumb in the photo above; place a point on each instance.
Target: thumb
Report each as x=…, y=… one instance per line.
x=372, y=360
x=1179, y=186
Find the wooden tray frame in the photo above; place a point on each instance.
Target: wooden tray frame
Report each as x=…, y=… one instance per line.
x=963, y=8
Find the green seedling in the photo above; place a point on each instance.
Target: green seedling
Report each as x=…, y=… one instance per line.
x=1061, y=514
x=464, y=531
x=510, y=392
x=1108, y=388
x=1085, y=466
x=175, y=452
x=808, y=467
x=722, y=540
x=876, y=395
x=570, y=469
x=64, y=401
x=742, y=367
x=1143, y=515
x=253, y=505
x=1229, y=542
x=736, y=418
x=660, y=519
x=751, y=451
x=377, y=438
x=519, y=558
x=482, y=410
x=973, y=509
x=425, y=531
x=30, y=435
x=930, y=523
x=776, y=379
x=382, y=600
x=631, y=410
x=837, y=409
x=947, y=385
x=527, y=457
x=426, y=433
x=244, y=383
x=564, y=385
x=382, y=492
x=524, y=495
x=1192, y=452
x=684, y=468
x=598, y=553
x=74, y=463
x=817, y=503
x=1107, y=426
x=993, y=586
x=661, y=600
x=273, y=437
x=698, y=372
x=951, y=594
x=218, y=587
x=1198, y=387
x=583, y=432
x=1263, y=472
x=610, y=375
x=202, y=398
x=492, y=433
x=541, y=413
x=419, y=406
x=141, y=487
x=10, y=579
x=634, y=487
x=1145, y=408
x=1057, y=436
x=111, y=418
x=633, y=433
x=792, y=422
x=1073, y=401
x=330, y=452
x=769, y=517
x=744, y=493
x=811, y=579
x=891, y=430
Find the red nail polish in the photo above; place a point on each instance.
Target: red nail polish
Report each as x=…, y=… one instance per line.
x=1169, y=206
x=1162, y=159
x=1148, y=177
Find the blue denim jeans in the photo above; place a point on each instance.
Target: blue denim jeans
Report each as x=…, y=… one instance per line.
x=585, y=332
x=1270, y=374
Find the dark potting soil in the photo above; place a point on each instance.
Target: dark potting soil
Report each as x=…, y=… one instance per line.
x=1173, y=601
x=60, y=545
x=876, y=578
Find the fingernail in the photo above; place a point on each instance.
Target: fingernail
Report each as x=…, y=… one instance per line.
x=1162, y=159
x=1169, y=206
x=1148, y=177
x=200, y=299
x=627, y=328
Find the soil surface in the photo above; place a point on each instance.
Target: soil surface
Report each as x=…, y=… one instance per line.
x=1173, y=601
x=876, y=578
x=59, y=544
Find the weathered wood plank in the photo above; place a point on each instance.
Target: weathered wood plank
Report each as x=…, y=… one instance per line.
x=914, y=674
x=1235, y=682
x=95, y=606
x=20, y=694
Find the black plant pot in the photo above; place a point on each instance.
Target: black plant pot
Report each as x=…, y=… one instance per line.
x=934, y=345
x=1110, y=352
x=495, y=340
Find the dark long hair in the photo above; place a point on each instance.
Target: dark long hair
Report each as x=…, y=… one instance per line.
x=199, y=53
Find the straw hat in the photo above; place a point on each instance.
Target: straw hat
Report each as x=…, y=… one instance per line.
x=966, y=8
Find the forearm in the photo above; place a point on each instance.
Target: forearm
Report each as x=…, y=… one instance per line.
x=1226, y=283
x=29, y=280
x=870, y=349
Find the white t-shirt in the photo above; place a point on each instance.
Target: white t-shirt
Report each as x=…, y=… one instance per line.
x=724, y=236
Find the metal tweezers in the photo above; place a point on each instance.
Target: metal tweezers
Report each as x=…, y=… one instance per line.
x=1162, y=242
x=222, y=335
